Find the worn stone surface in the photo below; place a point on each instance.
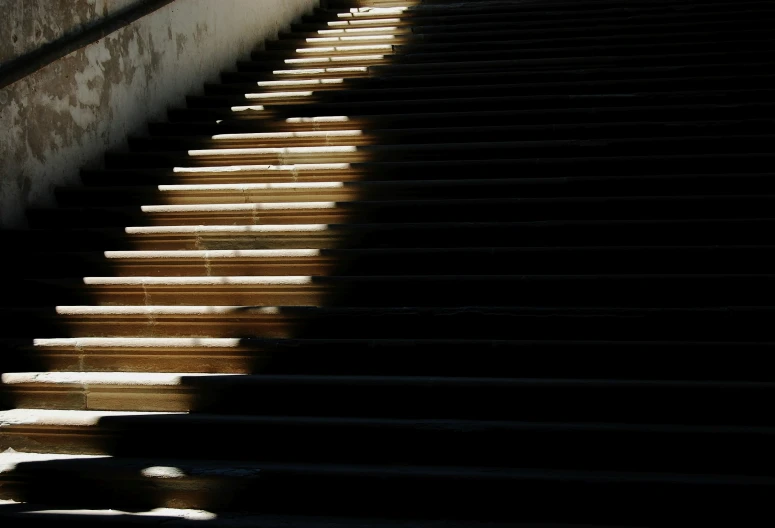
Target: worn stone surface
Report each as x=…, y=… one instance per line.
x=66, y=115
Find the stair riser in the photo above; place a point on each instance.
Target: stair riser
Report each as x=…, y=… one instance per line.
x=369, y=123
x=582, y=359
x=513, y=76
x=386, y=66
x=471, y=134
x=209, y=360
x=432, y=7
x=540, y=109
x=454, y=211
x=546, y=82
x=295, y=67
x=548, y=37
x=723, y=325
x=733, y=259
x=538, y=187
x=566, y=449
x=500, y=150
x=357, y=493
x=517, y=21
x=577, y=290
x=465, y=12
x=729, y=232
x=412, y=53
x=494, y=90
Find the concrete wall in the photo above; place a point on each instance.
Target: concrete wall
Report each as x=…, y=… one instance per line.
x=27, y=25
x=68, y=114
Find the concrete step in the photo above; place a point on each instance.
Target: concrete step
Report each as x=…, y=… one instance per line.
x=449, y=12
x=674, y=290
x=434, y=6
x=312, y=83
x=574, y=115
x=670, y=232
x=483, y=134
x=488, y=90
x=469, y=492
x=402, y=211
x=397, y=261
x=562, y=10
x=614, y=29
x=301, y=66
x=518, y=21
x=545, y=357
x=563, y=103
x=90, y=391
x=19, y=514
x=512, y=76
x=382, y=65
x=485, y=84
x=509, y=50
x=487, y=151
x=728, y=324
x=466, y=443
x=546, y=82
x=129, y=354
x=286, y=398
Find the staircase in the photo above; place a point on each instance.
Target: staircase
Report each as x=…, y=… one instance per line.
x=419, y=263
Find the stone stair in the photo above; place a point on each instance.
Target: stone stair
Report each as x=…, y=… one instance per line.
x=417, y=263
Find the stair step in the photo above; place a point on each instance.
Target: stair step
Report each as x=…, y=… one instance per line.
x=534, y=104
x=357, y=490
x=402, y=211
x=432, y=442
x=434, y=6
x=616, y=114
x=482, y=134
x=518, y=21
x=513, y=76
x=357, y=91
x=343, y=50
x=583, y=358
x=545, y=82
x=93, y=391
x=487, y=151
x=407, y=11
x=410, y=53
x=381, y=65
x=673, y=290
x=12, y=512
x=396, y=261
x=669, y=232
x=273, y=400
x=612, y=30
x=332, y=61
x=149, y=355
x=727, y=323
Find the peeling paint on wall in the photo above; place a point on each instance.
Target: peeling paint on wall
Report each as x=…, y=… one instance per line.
x=65, y=116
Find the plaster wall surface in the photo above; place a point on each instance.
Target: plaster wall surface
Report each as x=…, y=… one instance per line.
x=66, y=115
x=26, y=25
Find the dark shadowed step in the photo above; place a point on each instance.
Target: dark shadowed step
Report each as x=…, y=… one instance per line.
x=463, y=493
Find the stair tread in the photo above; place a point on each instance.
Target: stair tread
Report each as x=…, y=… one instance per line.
x=178, y=517
x=128, y=467
x=161, y=380
x=187, y=518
